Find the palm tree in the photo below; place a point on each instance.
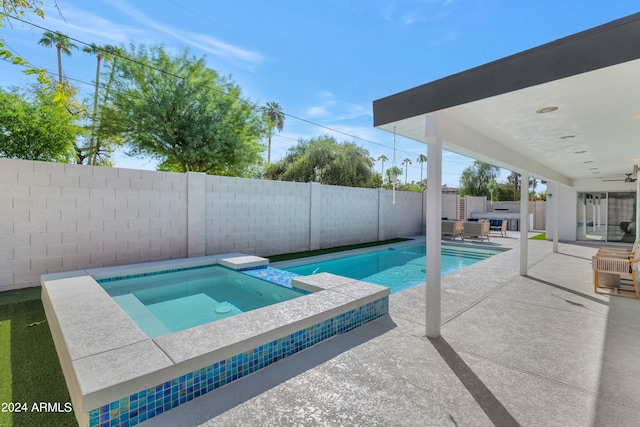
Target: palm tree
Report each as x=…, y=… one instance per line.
x=94, y=50
x=62, y=44
x=109, y=54
x=421, y=159
x=406, y=162
x=274, y=117
x=382, y=158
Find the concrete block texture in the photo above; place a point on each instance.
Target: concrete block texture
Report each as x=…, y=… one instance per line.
x=62, y=216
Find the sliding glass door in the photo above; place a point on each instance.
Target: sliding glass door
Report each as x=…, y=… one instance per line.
x=621, y=214
x=606, y=216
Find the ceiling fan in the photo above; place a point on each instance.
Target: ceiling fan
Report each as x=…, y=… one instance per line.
x=628, y=178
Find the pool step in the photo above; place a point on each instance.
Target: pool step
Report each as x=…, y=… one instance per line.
x=143, y=317
x=246, y=262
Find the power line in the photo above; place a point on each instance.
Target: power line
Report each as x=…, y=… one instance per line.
x=222, y=92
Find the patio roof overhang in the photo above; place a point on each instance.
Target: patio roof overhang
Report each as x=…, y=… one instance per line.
x=490, y=112
x=554, y=112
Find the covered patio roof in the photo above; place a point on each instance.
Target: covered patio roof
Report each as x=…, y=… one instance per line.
x=566, y=112
x=491, y=112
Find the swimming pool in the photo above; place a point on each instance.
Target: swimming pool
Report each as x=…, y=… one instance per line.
x=173, y=301
x=397, y=268
x=118, y=376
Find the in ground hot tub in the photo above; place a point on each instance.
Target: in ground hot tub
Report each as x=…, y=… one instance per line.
x=118, y=375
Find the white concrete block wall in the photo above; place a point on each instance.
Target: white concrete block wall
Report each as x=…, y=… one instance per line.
x=257, y=217
x=61, y=217
x=474, y=204
x=405, y=217
x=348, y=215
x=196, y=214
x=450, y=206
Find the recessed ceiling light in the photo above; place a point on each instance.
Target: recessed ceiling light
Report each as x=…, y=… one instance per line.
x=588, y=161
x=567, y=137
x=595, y=172
x=546, y=110
x=580, y=152
x=592, y=169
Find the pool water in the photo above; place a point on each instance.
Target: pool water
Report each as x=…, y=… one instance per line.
x=174, y=301
x=397, y=268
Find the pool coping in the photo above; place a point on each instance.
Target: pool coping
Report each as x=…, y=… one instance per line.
x=105, y=356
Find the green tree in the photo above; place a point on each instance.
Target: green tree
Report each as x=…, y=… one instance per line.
x=326, y=161
x=35, y=126
x=513, y=179
x=101, y=142
x=474, y=179
x=183, y=113
x=21, y=9
x=97, y=51
x=273, y=117
x=504, y=191
x=406, y=162
x=107, y=141
x=421, y=159
x=62, y=44
x=376, y=181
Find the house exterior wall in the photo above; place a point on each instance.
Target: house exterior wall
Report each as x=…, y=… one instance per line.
x=568, y=203
x=62, y=217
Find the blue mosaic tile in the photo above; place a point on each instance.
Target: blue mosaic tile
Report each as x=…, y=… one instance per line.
x=153, y=273
x=255, y=267
x=146, y=404
x=279, y=277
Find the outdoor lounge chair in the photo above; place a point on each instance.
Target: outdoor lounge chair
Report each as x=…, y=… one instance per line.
x=452, y=228
x=620, y=252
x=615, y=274
x=476, y=229
x=499, y=226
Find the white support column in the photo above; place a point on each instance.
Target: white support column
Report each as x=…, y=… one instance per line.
x=556, y=215
x=524, y=221
x=433, y=227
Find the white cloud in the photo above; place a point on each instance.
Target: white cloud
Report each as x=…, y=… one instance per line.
x=417, y=11
x=100, y=30
x=331, y=108
x=91, y=28
x=316, y=111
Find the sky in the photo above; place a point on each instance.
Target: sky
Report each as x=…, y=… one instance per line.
x=324, y=62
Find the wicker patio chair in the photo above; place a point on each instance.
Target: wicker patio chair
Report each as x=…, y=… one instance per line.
x=615, y=274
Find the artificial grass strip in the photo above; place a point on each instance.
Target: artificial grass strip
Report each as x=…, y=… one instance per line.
x=5, y=372
x=30, y=372
x=296, y=255
x=542, y=236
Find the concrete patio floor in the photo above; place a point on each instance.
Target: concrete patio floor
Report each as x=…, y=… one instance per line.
x=541, y=350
